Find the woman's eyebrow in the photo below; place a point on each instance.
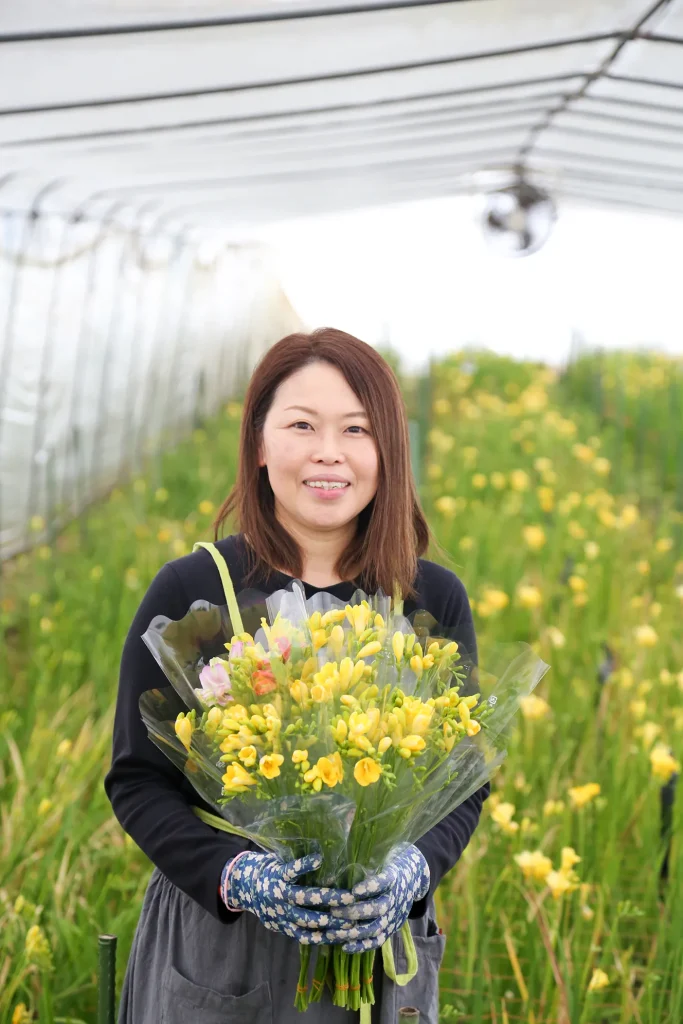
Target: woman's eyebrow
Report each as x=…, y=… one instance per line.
x=312, y=412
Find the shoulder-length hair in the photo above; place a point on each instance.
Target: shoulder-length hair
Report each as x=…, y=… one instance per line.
x=392, y=530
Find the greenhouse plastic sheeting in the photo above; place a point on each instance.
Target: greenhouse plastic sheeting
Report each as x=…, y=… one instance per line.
x=244, y=112
x=111, y=347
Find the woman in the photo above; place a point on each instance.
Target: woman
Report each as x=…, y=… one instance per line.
x=319, y=407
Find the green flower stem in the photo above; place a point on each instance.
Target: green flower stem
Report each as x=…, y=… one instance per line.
x=321, y=969
x=302, y=1000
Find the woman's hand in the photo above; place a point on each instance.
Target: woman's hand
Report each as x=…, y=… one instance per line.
x=367, y=915
x=261, y=883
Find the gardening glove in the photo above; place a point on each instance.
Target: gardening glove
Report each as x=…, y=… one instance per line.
x=261, y=883
x=380, y=904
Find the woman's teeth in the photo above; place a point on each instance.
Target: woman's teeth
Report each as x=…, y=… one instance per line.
x=325, y=485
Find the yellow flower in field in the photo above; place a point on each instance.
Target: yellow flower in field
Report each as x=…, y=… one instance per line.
x=577, y=584
x=21, y=1014
x=648, y=732
x=559, y=884
x=551, y=807
x=366, y=771
x=446, y=505
x=161, y=495
x=34, y=600
x=575, y=529
x=434, y=471
x=528, y=596
x=582, y=795
x=602, y=466
x=269, y=765
x=580, y=600
x=179, y=548
x=663, y=763
x=607, y=517
x=206, y=507
x=583, y=452
x=598, y=981
x=591, y=550
x=498, y=480
x=479, y=481
x=533, y=707
x=655, y=609
x=643, y=566
x=546, y=498
x=467, y=543
x=542, y=464
x=64, y=748
x=534, y=864
x=36, y=944
x=534, y=537
x=645, y=636
x=519, y=480
x=638, y=708
x=664, y=544
x=496, y=600
x=248, y=755
x=44, y=807
x=629, y=516
x=556, y=636
x=164, y=535
x=328, y=772
x=441, y=406
x=131, y=578
x=502, y=815
x=46, y=625
x=665, y=677
x=44, y=553
x=569, y=859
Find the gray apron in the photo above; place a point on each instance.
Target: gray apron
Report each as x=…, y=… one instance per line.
x=186, y=967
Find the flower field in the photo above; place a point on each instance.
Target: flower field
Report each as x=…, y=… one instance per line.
x=560, y=504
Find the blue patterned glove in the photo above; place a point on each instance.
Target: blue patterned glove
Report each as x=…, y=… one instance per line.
x=380, y=904
x=261, y=883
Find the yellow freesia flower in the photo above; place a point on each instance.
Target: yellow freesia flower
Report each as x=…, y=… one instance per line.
x=366, y=771
x=236, y=779
x=269, y=765
x=663, y=763
x=502, y=815
x=328, y=771
x=582, y=795
x=248, y=755
x=183, y=730
x=569, y=859
x=534, y=864
x=299, y=755
x=559, y=884
x=533, y=707
x=599, y=980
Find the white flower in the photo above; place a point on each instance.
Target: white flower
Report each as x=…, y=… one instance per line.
x=315, y=898
x=300, y=898
x=347, y=897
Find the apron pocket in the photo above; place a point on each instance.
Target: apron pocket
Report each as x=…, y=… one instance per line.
x=423, y=991
x=180, y=996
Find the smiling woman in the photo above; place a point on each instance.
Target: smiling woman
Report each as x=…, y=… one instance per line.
x=324, y=490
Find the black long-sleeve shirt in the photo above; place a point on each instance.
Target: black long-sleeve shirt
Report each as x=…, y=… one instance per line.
x=152, y=798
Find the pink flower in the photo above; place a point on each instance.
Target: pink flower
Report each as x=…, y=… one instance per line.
x=215, y=682
x=284, y=646
x=237, y=649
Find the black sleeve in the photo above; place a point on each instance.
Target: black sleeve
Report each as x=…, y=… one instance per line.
x=443, y=845
x=144, y=786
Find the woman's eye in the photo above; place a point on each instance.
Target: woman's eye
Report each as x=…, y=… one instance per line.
x=303, y=423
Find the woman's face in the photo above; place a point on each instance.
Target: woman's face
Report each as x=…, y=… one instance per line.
x=316, y=427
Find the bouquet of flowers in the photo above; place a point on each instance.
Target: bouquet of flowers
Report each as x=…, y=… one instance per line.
x=347, y=730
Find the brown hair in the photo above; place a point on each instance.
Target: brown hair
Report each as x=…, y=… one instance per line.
x=392, y=530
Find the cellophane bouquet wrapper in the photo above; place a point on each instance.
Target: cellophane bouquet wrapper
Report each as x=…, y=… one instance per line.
x=346, y=729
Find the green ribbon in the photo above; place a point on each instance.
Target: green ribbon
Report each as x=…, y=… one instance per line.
x=233, y=607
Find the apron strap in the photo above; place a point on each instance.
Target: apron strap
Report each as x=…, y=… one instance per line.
x=228, y=588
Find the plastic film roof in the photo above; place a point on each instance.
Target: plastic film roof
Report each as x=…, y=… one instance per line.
x=245, y=111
